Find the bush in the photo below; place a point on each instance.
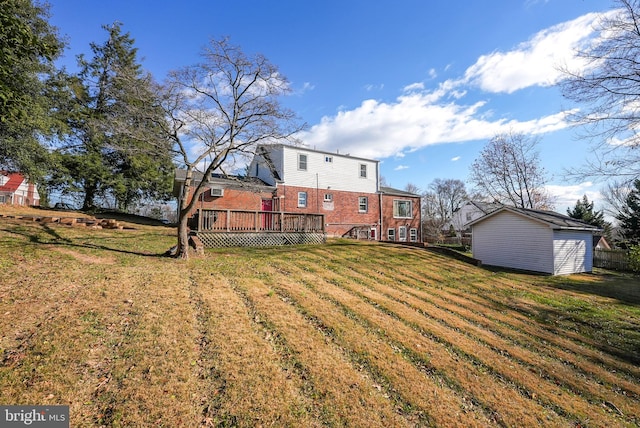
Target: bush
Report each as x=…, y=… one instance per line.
x=634, y=258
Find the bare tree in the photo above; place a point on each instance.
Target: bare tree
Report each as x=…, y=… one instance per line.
x=608, y=86
x=218, y=111
x=615, y=196
x=440, y=201
x=509, y=171
x=412, y=188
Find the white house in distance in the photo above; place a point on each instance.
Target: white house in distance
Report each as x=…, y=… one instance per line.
x=15, y=189
x=533, y=240
x=469, y=212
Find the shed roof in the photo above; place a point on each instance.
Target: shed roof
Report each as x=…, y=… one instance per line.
x=551, y=218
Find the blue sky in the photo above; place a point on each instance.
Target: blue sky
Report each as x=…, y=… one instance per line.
x=419, y=85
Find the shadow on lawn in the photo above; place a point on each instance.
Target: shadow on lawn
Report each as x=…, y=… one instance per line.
x=612, y=336
x=624, y=287
x=57, y=239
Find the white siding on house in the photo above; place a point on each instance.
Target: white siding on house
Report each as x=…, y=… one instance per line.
x=342, y=173
x=572, y=251
x=509, y=240
x=466, y=214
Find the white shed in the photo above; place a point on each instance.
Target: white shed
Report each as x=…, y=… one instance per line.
x=533, y=240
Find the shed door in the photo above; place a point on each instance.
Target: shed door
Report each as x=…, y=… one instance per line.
x=572, y=252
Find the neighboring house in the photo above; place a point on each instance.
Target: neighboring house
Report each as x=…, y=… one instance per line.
x=343, y=188
x=470, y=211
x=600, y=243
x=533, y=240
x=15, y=189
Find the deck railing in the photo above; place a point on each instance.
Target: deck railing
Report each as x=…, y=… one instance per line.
x=258, y=221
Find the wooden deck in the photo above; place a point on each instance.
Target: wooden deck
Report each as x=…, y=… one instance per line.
x=226, y=228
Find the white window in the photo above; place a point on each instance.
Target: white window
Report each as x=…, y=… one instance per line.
x=402, y=233
x=469, y=218
x=402, y=209
x=328, y=159
x=391, y=234
x=363, y=170
x=413, y=234
x=302, y=162
x=302, y=199
x=2, y=199
x=328, y=197
x=363, y=204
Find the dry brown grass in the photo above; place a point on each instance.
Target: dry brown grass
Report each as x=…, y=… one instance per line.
x=346, y=334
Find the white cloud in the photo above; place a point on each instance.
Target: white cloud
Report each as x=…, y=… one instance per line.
x=535, y=62
x=566, y=196
x=414, y=87
x=377, y=129
x=420, y=116
x=455, y=159
x=306, y=87
x=400, y=167
x=371, y=87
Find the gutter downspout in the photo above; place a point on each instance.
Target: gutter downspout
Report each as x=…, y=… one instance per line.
x=381, y=216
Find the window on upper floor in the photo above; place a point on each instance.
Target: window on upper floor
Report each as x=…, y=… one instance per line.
x=302, y=162
x=363, y=170
x=302, y=199
x=328, y=159
x=402, y=209
x=328, y=197
x=469, y=217
x=363, y=204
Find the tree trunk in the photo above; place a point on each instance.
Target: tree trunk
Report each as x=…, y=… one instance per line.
x=184, y=208
x=182, y=251
x=89, y=197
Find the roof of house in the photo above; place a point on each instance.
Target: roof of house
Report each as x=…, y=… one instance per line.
x=599, y=239
x=391, y=191
x=14, y=181
x=220, y=180
x=486, y=207
x=307, y=149
x=551, y=218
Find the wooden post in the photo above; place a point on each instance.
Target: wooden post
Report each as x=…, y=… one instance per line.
x=256, y=215
x=228, y=219
x=199, y=219
x=281, y=221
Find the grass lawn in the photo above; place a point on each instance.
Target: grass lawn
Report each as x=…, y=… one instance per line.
x=345, y=334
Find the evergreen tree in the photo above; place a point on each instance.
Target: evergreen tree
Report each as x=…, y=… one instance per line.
x=115, y=149
x=583, y=210
x=28, y=49
x=629, y=216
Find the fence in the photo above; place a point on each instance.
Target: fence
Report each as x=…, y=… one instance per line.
x=611, y=259
x=258, y=221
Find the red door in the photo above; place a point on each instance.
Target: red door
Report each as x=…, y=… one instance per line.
x=267, y=219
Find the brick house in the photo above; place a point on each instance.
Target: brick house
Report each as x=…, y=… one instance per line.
x=341, y=187
x=15, y=189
